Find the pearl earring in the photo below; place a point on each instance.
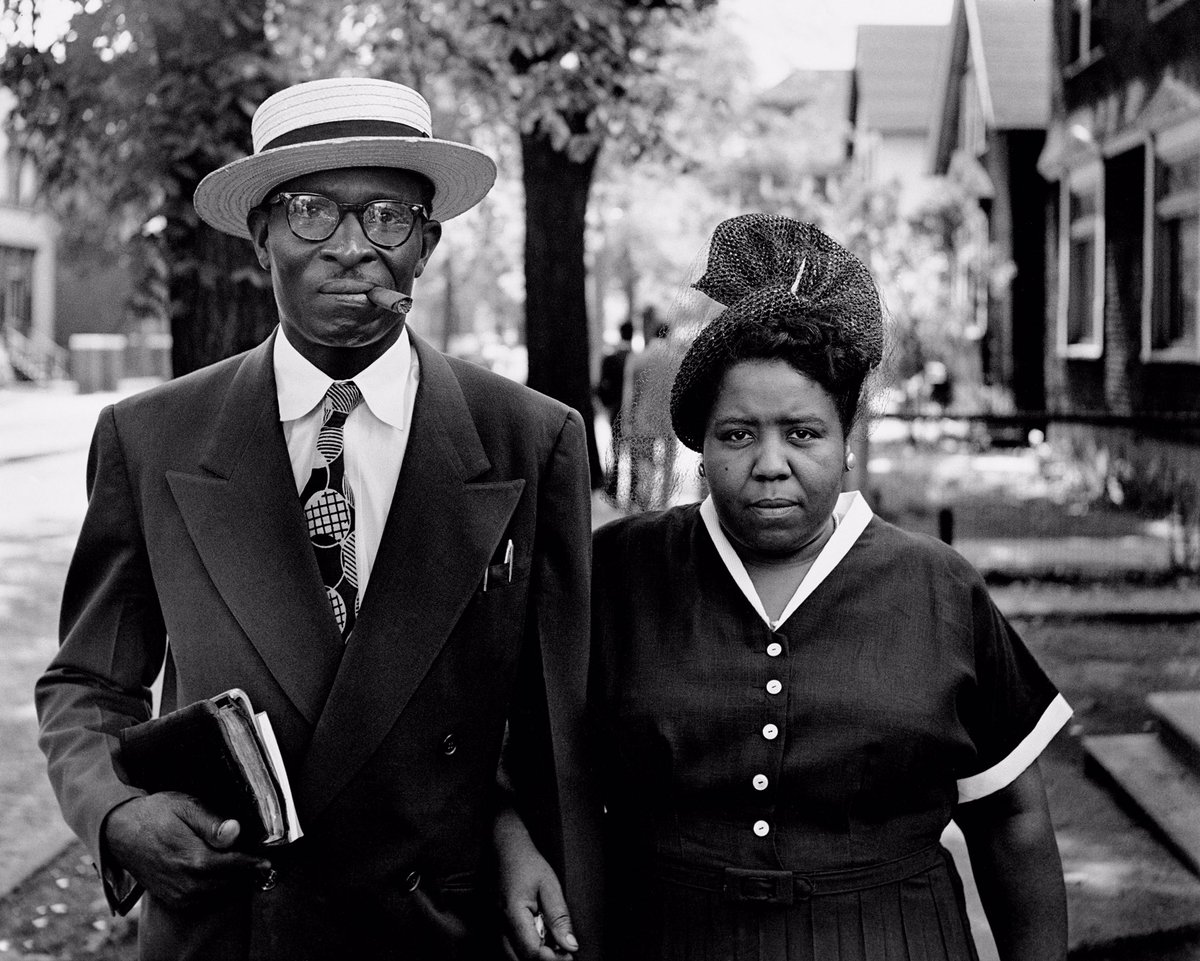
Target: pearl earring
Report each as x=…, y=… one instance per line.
x=700, y=470
x=850, y=460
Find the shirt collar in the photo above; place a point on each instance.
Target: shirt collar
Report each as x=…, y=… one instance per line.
x=301, y=386
x=852, y=514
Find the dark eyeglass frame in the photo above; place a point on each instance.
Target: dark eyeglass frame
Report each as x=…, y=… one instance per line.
x=285, y=197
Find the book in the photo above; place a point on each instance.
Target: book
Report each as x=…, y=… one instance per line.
x=226, y=756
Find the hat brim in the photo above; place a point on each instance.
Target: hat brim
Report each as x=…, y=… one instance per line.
x=461, y=174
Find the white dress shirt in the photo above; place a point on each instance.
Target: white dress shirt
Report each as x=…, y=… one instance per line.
x=376, y=432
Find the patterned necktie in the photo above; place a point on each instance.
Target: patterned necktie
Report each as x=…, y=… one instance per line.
x=329, y=507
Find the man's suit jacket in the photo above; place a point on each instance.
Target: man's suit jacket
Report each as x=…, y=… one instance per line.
x=194, y=534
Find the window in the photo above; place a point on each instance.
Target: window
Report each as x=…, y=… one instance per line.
x=1171, y=298
x=16, y=288
x=1081, y=263
x=1086, y=31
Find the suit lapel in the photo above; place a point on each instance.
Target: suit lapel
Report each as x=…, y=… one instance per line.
x=245, y=519
x=440, y=534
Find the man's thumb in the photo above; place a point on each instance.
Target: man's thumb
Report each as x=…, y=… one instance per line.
x=560, y=927
x=224, y=833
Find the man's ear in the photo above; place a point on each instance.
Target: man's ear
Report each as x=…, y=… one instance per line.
x=259, y=221
x=431, y=233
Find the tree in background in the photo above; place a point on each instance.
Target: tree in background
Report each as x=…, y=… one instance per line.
x=126, y=114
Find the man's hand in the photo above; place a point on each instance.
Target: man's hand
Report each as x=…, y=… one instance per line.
x=537, y=922
x=176, y=849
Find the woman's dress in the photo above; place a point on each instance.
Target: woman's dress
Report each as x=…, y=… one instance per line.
x=778, y=791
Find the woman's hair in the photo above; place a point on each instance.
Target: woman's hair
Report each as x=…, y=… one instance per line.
x=792, y=294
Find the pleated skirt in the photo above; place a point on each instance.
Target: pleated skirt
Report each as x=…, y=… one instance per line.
x=920, y=918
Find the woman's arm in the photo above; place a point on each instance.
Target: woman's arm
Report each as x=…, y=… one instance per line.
x=1014, y=858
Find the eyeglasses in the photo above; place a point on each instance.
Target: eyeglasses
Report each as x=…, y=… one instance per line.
x=386, y=223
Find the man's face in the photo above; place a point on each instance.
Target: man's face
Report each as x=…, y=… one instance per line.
x=315, y=281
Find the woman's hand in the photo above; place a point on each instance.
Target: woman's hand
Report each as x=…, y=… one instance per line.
x=1014, y=858
x=538, y=925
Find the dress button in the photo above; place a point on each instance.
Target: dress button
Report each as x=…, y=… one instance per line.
x=413, y=880
x=770, y=732
x=774, y=687
x=762, y=828
x=774, y=649
x=449, y=745
x=760, y=782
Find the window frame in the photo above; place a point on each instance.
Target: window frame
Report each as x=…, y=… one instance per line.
x=1084, y=53
x=1172, y=146
x=1157, y=9
x=1086, y=177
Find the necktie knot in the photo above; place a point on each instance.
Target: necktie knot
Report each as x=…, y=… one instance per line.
x=342, y=397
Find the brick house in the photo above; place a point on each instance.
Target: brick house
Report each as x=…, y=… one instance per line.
x=1123, y=239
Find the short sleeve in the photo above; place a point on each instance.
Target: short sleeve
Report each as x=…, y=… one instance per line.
x=1011, y=712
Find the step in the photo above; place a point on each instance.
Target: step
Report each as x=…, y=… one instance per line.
x=1155, y=783
x=1178, y=716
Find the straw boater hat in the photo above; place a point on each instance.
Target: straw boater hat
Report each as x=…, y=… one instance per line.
x=343, y=122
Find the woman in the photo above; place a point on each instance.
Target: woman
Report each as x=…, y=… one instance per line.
x=792, y=697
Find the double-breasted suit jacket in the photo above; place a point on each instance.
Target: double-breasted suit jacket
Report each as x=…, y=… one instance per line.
x=194, y=559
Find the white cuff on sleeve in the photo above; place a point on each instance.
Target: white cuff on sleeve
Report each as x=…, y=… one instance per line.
x=1010, y=768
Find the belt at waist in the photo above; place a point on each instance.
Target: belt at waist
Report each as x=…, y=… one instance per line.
x=785, y=887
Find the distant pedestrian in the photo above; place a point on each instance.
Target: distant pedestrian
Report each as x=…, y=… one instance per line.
x=611, y=385
x=642, y=430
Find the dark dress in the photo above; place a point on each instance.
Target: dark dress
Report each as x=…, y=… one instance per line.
x=838, y=742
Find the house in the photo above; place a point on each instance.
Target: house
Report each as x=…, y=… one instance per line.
x=27, y=267
x=892, y=99
x=1123, y=232
x=987, y=132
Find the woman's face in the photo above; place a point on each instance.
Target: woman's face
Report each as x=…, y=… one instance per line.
x=774, y=454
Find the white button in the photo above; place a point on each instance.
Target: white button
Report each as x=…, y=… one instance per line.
x=774, y=687
x=760, y=782
x=774, y=649
x=770, y=732
x=762, y=828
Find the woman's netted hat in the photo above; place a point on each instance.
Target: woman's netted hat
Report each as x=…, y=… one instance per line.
x=772, y=271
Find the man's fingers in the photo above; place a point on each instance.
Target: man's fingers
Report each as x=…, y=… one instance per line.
x=225, y=834
x=561, y=932
x=218, y=833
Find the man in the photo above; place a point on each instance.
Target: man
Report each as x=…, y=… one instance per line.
x=385, y=548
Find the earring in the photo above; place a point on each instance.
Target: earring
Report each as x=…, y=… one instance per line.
x=850, y=460
x=700, y=470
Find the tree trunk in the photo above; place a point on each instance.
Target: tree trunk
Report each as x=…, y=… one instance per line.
x=213, y=56
x=556, y=327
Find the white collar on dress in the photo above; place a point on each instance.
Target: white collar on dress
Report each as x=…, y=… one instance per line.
x=301, y=386
x=853, y=514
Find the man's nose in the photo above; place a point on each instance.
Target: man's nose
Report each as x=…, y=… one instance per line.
x=348, y=245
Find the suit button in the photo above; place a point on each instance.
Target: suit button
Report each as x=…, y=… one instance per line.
x=774, y=649
x=449, y=745
x=413, y=880
x=770, y=732
x=762, y=828
x=760, y=782
x=774, y=686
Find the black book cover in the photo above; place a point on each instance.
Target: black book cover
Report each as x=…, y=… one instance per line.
x=213, y=751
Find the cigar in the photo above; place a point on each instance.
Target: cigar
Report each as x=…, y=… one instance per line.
x=390, y=300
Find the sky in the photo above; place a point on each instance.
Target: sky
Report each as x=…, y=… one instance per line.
x=784, y=35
